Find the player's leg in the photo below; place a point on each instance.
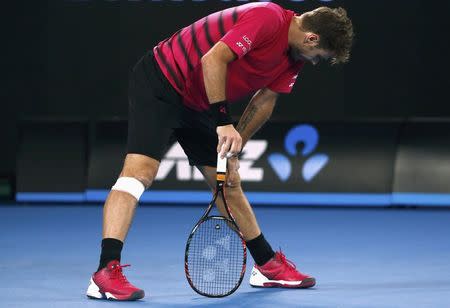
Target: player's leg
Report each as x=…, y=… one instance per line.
x=198, y=139
x=240, y=207
x=137, y=175
x=271, y=269
x=259, y=248
x=107, y=283
x=153, y=113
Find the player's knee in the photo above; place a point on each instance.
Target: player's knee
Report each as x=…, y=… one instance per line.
x=140, y=167
x=134, y=182
x=129, y=185
x=233, y=181
x=137, y=175
x=145, y=179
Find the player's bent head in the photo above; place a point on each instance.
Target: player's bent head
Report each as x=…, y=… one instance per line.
x=334, y=31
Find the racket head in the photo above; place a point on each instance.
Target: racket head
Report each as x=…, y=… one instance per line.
x=215, y=257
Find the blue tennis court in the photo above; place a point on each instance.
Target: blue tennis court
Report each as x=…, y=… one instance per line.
x=360, y=257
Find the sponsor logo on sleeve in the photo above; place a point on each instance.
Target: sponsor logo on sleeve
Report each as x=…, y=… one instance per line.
x=246, y=41
x=240, y=45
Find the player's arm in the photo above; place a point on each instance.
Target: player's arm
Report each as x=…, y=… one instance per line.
x=214, y=65
x=258, y=111
x=263, y=102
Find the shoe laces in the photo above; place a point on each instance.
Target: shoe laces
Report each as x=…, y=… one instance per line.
x=286, y=262
x=116, y=272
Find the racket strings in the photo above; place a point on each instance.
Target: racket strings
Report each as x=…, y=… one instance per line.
x=215, y=258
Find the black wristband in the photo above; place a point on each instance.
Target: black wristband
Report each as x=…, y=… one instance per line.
x=221, y=113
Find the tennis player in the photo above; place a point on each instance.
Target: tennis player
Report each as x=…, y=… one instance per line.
x=182, y=89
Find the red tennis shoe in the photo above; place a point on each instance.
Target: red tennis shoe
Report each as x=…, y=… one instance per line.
x=280, y=272
x=111, y=283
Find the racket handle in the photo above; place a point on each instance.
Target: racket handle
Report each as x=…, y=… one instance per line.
x=221, y=164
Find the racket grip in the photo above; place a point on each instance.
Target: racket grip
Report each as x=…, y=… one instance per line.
x=221, y=164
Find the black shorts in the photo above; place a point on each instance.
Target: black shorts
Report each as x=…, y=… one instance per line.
x=157, y=117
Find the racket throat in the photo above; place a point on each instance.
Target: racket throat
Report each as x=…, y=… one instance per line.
x=220, y=179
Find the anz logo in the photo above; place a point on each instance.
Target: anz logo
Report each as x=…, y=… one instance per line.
x=304, y=134
x=309, y=136
x=176, y=158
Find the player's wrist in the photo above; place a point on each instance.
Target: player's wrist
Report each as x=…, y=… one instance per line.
x=221, y=113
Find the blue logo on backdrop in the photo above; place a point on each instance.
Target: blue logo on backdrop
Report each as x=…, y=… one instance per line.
x=309, y=136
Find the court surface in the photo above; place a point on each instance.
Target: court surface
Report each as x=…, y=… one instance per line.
x=360, y=257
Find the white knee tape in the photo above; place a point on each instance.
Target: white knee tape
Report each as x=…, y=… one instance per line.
x=130, y=185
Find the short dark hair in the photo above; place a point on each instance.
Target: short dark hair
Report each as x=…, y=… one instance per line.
x=335, y=30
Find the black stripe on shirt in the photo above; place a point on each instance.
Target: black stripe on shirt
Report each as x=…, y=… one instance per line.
x=208, y=35
x=194, y=40
x=169, y=69
x=234, y=15
x=184, y=51
x=221, y=26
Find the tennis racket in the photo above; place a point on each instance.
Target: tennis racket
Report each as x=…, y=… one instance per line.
x=216, y=255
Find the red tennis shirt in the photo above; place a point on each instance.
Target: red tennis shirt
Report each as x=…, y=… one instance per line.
x=256, y=32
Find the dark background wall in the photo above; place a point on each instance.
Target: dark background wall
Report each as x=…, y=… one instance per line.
x=70, y=59
x=76, y=56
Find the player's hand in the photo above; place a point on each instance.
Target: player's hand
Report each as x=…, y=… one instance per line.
x=230, y=141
